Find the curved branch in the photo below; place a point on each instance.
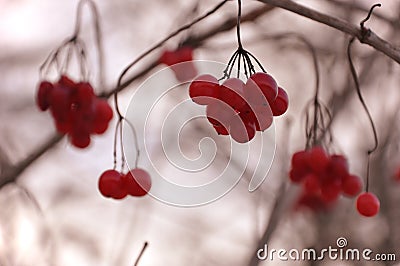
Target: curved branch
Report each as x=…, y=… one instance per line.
x=370, y=38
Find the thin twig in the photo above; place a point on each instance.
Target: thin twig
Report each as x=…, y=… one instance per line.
x=146, y=244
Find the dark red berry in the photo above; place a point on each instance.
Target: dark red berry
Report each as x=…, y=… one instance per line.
x=43, y=95
x=231, y=92
x=266, y=83
x=319, y=160
x=311, y=184
x=351, y=185
x=137, y=182
x=368, y=204
x=111, y=185
x=280, y=105
x=204, y=89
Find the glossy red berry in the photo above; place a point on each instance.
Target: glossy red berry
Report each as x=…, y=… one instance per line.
x=351, y=185
x=204, y=89
x=221, y=130
x=220, y=114
x=241, y=131
x=43, y=95
x=311, y=184
x=266, y=83
x=368, y=204
x=338, y=167
x=232, y=93
x=280, y=105
x=137, y=182
x=319, y=159
x=111, y=185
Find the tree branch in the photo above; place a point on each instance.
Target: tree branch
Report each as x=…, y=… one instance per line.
x=370, y=38
x=11, y=174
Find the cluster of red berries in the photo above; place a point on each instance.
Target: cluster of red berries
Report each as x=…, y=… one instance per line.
x=76, y=110
x=240, y=109
x=172, y=58
x=113, y=184
x=324, y=177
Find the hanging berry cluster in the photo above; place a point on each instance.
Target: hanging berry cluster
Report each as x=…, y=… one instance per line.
x=239, y=108
x=323, y=178
x=116, y=185
x=75, y=108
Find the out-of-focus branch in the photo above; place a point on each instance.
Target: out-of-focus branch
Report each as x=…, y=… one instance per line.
x=368, y=37
x=11, y=174
x=357, y=6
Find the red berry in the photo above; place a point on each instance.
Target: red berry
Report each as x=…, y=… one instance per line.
x=297, y=175
x=231, y=92
x=84, y=93
x=137, y=182
x=260, y=115
x=66, y=81
x=368, y=204
x=338, y=167
x=312, y=184
x=281, y=103
x=319, y=159
x=220, y=114
x=396, y=175
x=266, y=84
x=81, y=140
x=111, y=185
x=330, y=191
x=203, y=88
x=301, y=160
x=102, y=116
x=351, y=185
x=241, y=131
x=221, y=130
x=43, y=95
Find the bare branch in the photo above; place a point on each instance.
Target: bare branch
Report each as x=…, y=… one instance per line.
x=370, y=38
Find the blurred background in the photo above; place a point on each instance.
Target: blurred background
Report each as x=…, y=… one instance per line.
x=54, y=215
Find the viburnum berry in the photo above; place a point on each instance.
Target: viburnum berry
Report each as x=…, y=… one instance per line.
x=319, y=159
x=111, y=185
x=43, y=95
x=203, y=88
x=264, y=82
x=280, y=105
x=323, y=177
x=351, y=185
x=396, y=175
x=368, y=204
x=137, y=182
x=183, y=72
x=232, y=93
x=75, y=108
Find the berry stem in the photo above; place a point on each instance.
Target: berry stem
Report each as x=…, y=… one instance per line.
x=238, y=24
x=357, y=85
x=146, y=244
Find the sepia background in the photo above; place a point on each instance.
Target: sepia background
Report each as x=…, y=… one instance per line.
x=53, y=213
